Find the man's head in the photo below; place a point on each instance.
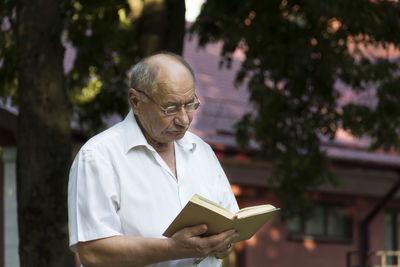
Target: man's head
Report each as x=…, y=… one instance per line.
x=157, y=83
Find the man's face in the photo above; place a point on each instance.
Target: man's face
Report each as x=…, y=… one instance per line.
x=174, y=87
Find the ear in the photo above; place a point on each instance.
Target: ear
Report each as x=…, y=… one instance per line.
x=134, y=100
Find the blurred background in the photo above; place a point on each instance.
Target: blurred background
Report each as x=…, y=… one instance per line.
x=300, y=101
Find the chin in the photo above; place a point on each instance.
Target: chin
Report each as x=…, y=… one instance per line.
x=177, y=136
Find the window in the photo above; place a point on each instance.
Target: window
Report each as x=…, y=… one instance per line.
x=392, y=234
x=330, y=223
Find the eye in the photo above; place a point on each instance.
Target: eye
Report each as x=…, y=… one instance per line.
x=189, y=105
x=192, y=106
x=171, y=110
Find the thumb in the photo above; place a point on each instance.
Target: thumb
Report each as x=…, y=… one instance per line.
x=197, y=230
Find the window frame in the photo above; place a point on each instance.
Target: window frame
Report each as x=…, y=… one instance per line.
x=395, y=241
x=302, y=234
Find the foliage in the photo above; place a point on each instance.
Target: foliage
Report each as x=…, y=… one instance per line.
x=297, y=53
x=108, y=38
x=104, y=37
x=8, y=69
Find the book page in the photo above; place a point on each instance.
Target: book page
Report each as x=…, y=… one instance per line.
x=250, y=211
x=212, y=206
x=194, y=214
x=200, y=210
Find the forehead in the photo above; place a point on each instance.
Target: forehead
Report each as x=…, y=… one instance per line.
x=174, y=83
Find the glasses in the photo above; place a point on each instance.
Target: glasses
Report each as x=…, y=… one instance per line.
x=172, y=110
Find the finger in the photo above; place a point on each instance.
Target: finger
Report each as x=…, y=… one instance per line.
x=225, y=252
x=226, y=239
x=226, y=249
x=229, y=234
x=220, y=240
x=196, y=230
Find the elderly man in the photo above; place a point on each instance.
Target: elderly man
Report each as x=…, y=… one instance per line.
x=129, y=182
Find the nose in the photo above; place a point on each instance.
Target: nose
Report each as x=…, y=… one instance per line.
x=182, y=118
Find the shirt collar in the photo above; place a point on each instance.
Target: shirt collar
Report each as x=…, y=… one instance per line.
x=187, y=142
x=134, y=136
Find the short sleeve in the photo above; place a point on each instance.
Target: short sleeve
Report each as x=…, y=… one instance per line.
x=93, y=198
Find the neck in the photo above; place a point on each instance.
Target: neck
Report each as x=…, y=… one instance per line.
x=158, y=146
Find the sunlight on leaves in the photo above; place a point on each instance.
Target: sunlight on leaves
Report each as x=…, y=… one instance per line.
x=90, y=92
x=124, y=21
x=136, y=7
x=116, y=59
x=77, y=6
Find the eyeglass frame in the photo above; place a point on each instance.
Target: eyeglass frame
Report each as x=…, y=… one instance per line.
x=165, y=110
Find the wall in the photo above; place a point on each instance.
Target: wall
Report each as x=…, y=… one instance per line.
x=361, y=190
x=10, y=208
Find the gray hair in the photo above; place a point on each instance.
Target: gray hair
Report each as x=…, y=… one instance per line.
x=144, y=77
x=145, y=72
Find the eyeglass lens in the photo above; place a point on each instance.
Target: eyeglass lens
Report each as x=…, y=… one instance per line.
x=188, y=108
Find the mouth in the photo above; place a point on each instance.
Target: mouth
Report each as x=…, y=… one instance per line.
x=178, y=132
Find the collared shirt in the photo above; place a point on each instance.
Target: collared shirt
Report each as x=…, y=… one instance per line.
x=119, y=185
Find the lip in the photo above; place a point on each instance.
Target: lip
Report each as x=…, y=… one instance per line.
x=178, y=132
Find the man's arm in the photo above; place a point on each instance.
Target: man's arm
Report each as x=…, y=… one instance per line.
x=120, y=251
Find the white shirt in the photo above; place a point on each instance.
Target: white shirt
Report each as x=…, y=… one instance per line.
x=119, y=185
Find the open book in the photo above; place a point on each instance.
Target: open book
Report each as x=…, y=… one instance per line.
x=200, y=210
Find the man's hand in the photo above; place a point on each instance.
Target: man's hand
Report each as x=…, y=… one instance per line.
x=188, y=242
x=224, y=252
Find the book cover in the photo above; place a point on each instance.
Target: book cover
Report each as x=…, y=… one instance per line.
x=200, y=210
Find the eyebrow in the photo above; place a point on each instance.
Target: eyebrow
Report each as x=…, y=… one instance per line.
x=168, y=104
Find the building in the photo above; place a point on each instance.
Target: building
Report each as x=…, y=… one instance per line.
x=331, y=239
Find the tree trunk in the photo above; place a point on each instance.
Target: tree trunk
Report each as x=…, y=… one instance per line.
x=175, y=28
x=43, y=138
x=162, y=26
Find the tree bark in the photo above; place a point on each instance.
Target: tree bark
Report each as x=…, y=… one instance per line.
x=162, y=26
x=175, y=29
x=43, y=136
